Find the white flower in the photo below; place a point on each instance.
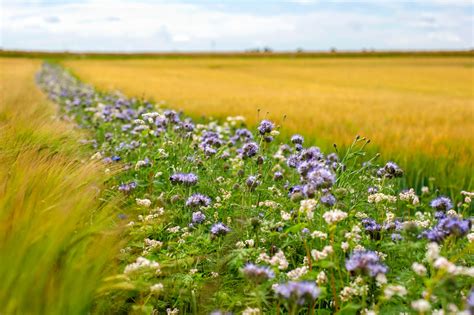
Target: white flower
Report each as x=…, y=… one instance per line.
x=321, y=278
x=470, y=237
x=285, y=216
x=156, y=288
x=392, y=290
x=319, y=255
x=279, y=260
x=381, y=279
x=334, y=216
x=143, y=202
x=444, y=264
x=425, y=190
x=251, y=311
x=419, y=269
x=173, y=311
x=319, y=234
x=307, y=207
x=432, y=251
x=297, y=273
x=345, y=246
x=142, y=263
x=421, y=305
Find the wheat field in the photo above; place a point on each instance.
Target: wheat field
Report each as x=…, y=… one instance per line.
x=411, y=108
x=52, y=222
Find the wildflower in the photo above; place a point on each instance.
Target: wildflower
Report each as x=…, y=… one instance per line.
x=143, y=202
x=421, y=305
x=265, y=126
x=252, y=182
x=366, y=262
x=334, y=216
x=156, y=288
x=390, y=170
x=297, y=139
x=142, y=263
x=258, y=274
x=198, y=217
x=249, y=149
x=251, y=311
x=186, y=179
x=307, y=207
x=392, y=290
x=198, y=200
x=297, y=273
x=219, y=229
x=328, y=199
x=321, y=278
x=441, y=204
x=299, y=292
x=432, y=251
x=279, y=260
x=320, y=255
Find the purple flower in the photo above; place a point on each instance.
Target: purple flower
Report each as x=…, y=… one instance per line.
x=298, y=292
x=249, y=149
x=365, y=262
x=447, y=226
x=322, y=178
x=372, y=190
x=198, y=200
x=441, y=204
x=328, y=199
x=297, y=139
x=198, y=217
x=390, y=170
x=277, y=175
x=252, y=182
x=219, y=229
x=258, y=274
x=265, y=126
x=186, y=179
x=127, y=187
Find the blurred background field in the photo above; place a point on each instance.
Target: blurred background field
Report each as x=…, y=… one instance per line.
x=417, y=110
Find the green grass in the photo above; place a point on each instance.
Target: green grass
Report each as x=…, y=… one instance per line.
x=58, y=240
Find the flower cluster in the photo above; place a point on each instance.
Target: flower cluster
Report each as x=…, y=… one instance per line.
x=307, y=220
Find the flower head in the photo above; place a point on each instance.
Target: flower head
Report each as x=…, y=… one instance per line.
x=198, y=200
x=365, y=262
x=257, y=274
x=299, y=292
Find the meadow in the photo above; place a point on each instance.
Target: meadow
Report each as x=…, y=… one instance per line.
x=111, y=204
x=417, y=110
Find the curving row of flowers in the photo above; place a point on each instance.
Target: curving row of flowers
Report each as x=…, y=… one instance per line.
x=230, y=220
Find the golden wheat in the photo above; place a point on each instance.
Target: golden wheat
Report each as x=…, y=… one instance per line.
x=411, y=105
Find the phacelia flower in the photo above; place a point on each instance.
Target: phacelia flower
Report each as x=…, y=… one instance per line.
x=219, y=229
x=257, y=274
x=441, y=204
x=297, y=139
x=265, y=126
x=298, y=292
x=198, y=200
x=186, y=179
x=198, y=217
x=249, y=149
x=390, y=170
x=367, y=262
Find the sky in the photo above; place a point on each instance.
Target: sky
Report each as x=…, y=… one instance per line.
x=205, y=25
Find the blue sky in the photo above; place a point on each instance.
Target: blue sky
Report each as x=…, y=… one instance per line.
x=145, y=25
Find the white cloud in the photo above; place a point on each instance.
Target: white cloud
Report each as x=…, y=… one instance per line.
x=141, y=25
